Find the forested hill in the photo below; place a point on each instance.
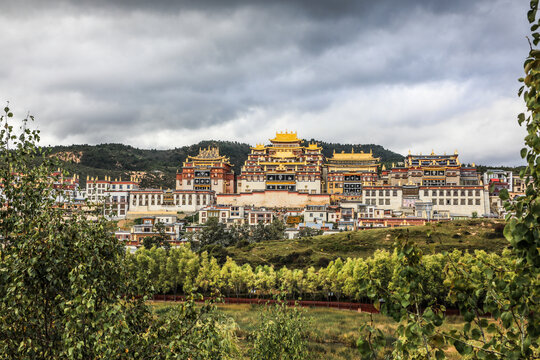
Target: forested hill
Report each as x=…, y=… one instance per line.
x=118, y=160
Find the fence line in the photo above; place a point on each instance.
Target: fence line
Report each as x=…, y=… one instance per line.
x=360, y=307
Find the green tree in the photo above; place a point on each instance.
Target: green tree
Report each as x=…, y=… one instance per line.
x=281, y=334
x=61, y=276
x=272, y=231
x=215, y=233
x=65, y=290
x=161, y=239
x=208, y=278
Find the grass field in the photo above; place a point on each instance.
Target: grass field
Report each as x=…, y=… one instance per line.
x=465, y=235
x=332, y=333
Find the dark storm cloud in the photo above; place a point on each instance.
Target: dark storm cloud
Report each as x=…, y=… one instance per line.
x=135, y=71
x=315, y=8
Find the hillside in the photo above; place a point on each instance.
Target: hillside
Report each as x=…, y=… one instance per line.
x=118, y=160
x=464, y=235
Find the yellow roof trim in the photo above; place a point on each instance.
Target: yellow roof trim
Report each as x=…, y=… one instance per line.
x=353, y=156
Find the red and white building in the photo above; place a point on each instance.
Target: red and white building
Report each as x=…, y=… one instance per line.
x=207, y=171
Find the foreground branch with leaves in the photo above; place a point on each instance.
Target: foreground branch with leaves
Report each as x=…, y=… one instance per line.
x=65, y=292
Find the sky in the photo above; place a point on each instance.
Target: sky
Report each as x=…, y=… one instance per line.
x=409, y=75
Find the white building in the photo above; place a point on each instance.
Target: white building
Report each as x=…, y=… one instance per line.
x=168, y=202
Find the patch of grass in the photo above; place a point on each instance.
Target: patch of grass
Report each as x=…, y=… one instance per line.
x=464, y=235
x=332, y=333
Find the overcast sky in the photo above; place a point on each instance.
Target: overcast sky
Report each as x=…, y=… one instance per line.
x=418, y=75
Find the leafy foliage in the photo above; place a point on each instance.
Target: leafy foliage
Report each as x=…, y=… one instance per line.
x=65, y=290
x=218, y=234
x=161, y=239
x=437, y=283
x=282, y=334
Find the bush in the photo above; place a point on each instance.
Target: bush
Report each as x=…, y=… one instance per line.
x=281, y=334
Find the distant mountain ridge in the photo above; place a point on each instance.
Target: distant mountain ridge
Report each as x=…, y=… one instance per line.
x=118, y=160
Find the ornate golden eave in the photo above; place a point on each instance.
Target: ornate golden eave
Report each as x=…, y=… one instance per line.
x=352, y=156
x=210, y=154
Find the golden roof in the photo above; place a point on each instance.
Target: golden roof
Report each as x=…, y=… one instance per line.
x=313, y=146
x=352, y=156
x=211, y=153
x=259, y=147
x=285, y=137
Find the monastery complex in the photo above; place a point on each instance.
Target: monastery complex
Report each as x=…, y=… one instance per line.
x=292, y=180
x=287, y=174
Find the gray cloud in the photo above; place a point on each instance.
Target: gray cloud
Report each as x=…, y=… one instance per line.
x=405, y=74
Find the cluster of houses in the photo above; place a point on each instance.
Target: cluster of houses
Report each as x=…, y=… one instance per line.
x=302, y=188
